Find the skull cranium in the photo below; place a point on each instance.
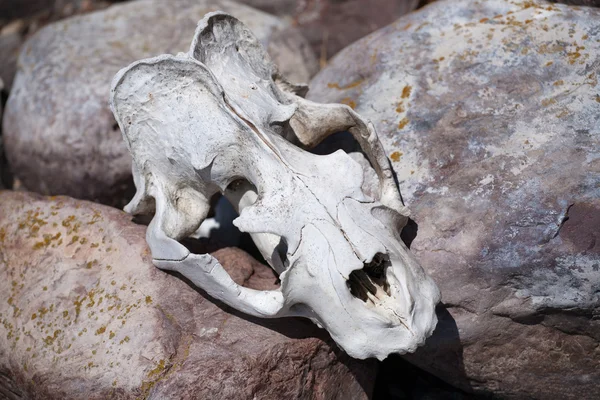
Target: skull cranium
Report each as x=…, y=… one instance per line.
x=221, y=119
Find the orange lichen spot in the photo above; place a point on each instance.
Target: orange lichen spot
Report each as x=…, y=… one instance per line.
x=403, y=122
x=498, y=16
x=351, y=85
x=101, y=330
x=395, y=156
x=349, y=102
x=406, y=91
x=549, y=63
x=483, y=20
x=547, y=102
x=400, y=108
x=573, y=56
x=148, y=300
x=526, y=142
x=33, y=316
x=559, y=83
x=407, y=26
x=598, y=98
x=585, y=37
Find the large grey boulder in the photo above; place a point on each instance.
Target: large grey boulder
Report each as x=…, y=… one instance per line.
x=490, y=113
x=85, y=315
x=331, y=25
x=59, y=133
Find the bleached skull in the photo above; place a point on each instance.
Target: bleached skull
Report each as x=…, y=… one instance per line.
x=221, y=119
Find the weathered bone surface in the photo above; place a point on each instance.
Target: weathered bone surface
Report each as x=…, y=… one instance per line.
x=220, y=119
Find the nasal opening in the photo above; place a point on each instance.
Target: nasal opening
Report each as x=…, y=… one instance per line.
x=369, y=284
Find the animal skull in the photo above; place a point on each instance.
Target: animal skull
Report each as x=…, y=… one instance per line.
x=221, y=119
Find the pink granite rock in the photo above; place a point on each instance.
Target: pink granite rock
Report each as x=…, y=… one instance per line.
x=85, y=315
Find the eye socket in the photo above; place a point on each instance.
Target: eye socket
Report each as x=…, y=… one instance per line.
x=369, y=283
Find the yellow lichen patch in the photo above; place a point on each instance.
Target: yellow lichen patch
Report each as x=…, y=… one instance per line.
x=349, y=102
x=395, y=156
x=100, y=330
x=598, y=98
x=159, y=368
x=125, y=339
x=95, y=218
x=336, y=85
x=550, y=48
x=403, y=122
x=562, y=114
x=547, y=102
x=559, y=83
x=148, y=300
x=48, y=239
x=49, y=340
x=111, y=335
x=400, y=108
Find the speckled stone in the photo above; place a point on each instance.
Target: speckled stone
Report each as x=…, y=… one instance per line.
x=490, y=113
x=60, y=135
x=85, y=315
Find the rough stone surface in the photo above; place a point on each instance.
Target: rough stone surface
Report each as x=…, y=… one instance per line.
x=490, y=116
x=20, y=19
x=60, y=135
x=331, y=25
x=85, y=314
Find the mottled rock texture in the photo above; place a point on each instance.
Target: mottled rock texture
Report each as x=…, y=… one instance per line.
x=490, y=113
x=85, y=315
x=331, y=25
x=60, y=135
x=20, y=19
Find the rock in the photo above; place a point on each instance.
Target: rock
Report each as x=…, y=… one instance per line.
x=60, y=135
x=489, y=111
x=331, y=25
x=20, y=19
x=85, y=314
